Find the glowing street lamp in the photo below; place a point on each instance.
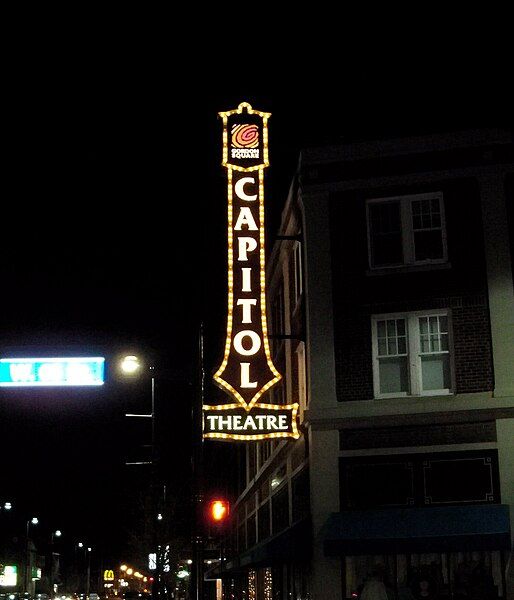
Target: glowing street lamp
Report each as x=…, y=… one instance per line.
x=133, y=366
x=33, y=521
x=130, y=365
x=57, y=533
x=88, y=571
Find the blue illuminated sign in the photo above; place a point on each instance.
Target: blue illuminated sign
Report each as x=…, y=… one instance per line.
x=21, y=372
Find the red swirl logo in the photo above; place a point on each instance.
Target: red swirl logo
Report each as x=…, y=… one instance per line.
x=245, y=136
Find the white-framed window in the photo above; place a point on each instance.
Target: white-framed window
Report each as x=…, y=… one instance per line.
x=411, y=354
x=406, y=230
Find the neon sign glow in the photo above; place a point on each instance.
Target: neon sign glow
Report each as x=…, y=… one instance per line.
x=38, y=372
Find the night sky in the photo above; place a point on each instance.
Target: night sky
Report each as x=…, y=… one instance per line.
x=113, y=227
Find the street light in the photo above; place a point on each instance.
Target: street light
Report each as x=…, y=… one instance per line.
x=88, y=571
x=132, y=366
x=79, y=563
x=198, y=538
x=5, y=507
x=33, y=521
x=57, y=533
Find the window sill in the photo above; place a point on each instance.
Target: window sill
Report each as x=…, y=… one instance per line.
x=400, y=270
x=441, y=394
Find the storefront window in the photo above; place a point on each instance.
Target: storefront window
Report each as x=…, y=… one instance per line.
x=434, y=576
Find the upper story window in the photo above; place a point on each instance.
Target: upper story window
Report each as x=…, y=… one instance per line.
x=411, y=354
x=406, y=230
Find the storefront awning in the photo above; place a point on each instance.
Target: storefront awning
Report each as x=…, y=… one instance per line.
x=424, y=529
x=292, y=545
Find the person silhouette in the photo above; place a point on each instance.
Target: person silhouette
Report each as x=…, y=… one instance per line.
x=425, y=589
x=374, y=588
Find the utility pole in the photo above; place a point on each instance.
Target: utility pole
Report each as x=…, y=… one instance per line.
x=197, y=463
x=131, y=365
x=88, y=572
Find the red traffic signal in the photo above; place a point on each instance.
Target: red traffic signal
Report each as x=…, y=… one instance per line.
x=218, y=511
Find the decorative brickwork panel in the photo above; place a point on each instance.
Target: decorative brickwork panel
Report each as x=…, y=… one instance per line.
x=353, y=357
x=472, y=346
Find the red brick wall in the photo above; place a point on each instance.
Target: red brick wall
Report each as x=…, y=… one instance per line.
x=473, y=353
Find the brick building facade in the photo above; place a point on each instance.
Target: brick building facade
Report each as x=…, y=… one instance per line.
x=392, y=318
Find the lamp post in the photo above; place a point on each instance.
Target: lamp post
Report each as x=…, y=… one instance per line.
x=57, y=533
x=5, y=508
x=79, y=563
x=33, y=521
x=131, y=366
x=88, y=571
x=197, y=463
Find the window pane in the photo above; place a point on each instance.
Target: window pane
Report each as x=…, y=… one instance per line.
x=264, y=521
x=425, y=346
x=391, y=328
x=382, y=347
x=428, y=244
x=381, y=328
x=443, y=324
x=393, y=375
x=426, y=214
x=402, y=345
x=391, y=347
x=400, y=326
x=433, y=325
x=280, y=510
x=444, y=341
x=436, y=212
x=416, y=208
x=423, y=325
x=435, y=372
x=434, y=343
x=385, y=232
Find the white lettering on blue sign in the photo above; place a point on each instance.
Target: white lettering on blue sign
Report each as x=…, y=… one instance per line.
x=19, y=372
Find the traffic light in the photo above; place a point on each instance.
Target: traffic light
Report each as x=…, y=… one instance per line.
x=218, y=510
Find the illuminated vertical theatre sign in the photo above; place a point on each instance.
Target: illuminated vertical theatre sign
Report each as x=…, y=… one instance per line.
x=247, y=371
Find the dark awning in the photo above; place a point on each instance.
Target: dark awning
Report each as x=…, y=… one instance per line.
x=425, y=529
x=292, y=545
